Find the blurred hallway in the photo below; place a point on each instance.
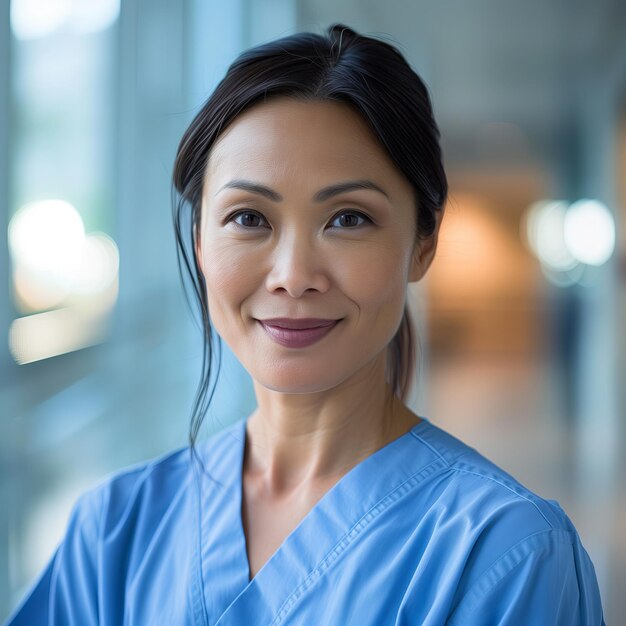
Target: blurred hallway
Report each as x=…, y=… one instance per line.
x=510, y=412
x=523, y=349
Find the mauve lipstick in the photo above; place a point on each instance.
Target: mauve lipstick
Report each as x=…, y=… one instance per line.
x=297, y=333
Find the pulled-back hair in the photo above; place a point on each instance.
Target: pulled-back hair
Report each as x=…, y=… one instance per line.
x=374, y=79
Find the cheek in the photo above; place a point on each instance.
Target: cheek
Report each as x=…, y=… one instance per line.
x=227, y=276
x=377, y=278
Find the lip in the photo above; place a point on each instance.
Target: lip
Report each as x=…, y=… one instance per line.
x=301, y=337
x=298, y=323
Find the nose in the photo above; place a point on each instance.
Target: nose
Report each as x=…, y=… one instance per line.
x=297, y=266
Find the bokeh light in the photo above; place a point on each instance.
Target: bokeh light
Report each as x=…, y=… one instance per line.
x=46, y=239
x=98, y=267
x=545, y=226
x=34, y=19
x=54, y=260
x=589, y=232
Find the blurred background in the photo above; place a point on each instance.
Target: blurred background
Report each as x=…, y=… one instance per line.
x=521, y=318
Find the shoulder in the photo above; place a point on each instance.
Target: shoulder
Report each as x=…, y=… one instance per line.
x=148, y=482
x=473, y=484
x=108, y=531
x=514, y=550
x=143, y=493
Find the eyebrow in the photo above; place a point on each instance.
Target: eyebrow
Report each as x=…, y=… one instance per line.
x=321, y=196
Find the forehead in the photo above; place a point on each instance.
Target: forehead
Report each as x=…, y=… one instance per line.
x=322, y=140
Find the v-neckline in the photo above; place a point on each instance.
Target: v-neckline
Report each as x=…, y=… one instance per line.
x=322, y=531
x=240, y=482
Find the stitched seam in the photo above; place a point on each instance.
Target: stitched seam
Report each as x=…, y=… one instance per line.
x=200, y=610
x=520, y=495
x=99, y=554
x=335, y=552
x=430, y=447
x=486, y=476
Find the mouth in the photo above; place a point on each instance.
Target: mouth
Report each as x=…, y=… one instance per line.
x=298, y=323
x=301, y=337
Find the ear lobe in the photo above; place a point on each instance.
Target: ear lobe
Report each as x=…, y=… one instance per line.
x=421, y=259
x=424, y=251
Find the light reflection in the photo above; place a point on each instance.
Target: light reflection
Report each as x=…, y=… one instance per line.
x=568, y=239
x=98, y=267
x=55, y=264
x=545, y=225
x=46, y=239
x=564, y=278
x=34, y=19
x=34, y=293
x=53, y=260
x=44, y=335
x=589, y=232
x=95, y=15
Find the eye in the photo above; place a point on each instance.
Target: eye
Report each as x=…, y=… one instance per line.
x=252, y=219
x=353, y=222
x=249, y=219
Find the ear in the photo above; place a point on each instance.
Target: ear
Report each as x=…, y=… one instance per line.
x=424, y=252
x=198, y=252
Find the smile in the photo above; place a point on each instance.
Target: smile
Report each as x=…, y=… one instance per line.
x=297, y=338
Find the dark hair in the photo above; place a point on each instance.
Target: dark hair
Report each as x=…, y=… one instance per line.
x=365, y=73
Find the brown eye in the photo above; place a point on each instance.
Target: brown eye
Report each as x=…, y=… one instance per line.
x=249, y=219
x=350, y=219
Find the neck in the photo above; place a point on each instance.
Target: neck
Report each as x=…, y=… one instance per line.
x=300, y=440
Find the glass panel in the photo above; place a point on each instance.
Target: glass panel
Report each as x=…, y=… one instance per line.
x=64, y=260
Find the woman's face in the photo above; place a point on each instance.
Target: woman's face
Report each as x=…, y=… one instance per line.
x=305, y=216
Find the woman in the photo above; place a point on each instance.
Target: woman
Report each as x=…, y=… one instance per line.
x=316, y=189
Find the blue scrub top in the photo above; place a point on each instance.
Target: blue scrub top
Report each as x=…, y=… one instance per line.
x=423, y=531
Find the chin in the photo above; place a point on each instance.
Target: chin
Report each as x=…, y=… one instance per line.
x=292, y=383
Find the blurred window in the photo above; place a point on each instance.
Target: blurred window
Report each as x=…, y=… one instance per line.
x=64, y=261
